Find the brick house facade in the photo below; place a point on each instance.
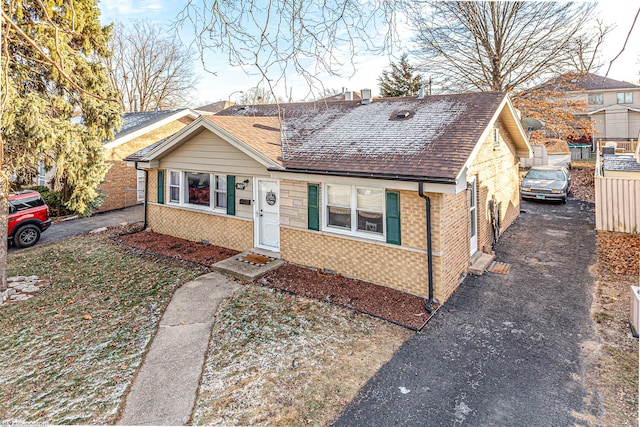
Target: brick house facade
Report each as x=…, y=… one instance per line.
x=370, y=225
x=121, y=186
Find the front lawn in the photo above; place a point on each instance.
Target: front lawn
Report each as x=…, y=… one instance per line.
x=70, y=353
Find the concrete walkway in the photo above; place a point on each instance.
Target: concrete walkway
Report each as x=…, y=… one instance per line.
x=165, y=389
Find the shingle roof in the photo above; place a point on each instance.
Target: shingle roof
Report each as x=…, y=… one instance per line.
x=621, y=162
x=260, y=133
x=132, y=122
x=434, y=140
x=590, y=81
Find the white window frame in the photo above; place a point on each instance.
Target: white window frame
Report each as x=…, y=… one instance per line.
x=42, y=174
x=183, y=191
x=353, y=231
x=627, y=97
x=596, y=98
x=170, y=186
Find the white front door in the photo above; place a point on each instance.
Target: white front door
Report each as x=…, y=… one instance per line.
x=473, y=215
x=268, y=215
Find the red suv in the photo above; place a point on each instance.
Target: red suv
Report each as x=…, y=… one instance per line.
x=28, y=217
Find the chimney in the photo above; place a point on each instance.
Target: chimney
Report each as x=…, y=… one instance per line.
x=135, y=102
x=366, y=96
x=421, y=93
x=348, y=96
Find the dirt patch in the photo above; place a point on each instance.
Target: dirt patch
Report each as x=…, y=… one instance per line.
x=397, y=307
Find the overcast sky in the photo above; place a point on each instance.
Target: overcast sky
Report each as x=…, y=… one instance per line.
x=228, y=80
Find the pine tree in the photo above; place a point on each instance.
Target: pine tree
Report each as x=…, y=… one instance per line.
x=52, y=54
x=402, y=80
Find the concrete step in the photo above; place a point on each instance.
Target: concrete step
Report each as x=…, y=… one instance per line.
x=479, y=263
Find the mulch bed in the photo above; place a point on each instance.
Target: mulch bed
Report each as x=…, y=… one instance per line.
x=175, y=247
x=394, y=306
x=397, y=307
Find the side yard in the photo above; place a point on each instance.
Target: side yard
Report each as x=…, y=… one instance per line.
x=615, y=371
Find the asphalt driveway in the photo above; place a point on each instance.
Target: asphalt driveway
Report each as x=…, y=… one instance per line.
x=75, y=227
x=505, y=350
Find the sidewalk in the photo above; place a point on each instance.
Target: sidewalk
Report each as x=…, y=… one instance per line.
x=165, y=388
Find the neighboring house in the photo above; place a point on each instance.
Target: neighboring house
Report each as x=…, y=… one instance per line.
x=123, y=186
x=549, y=152
x=612, y=104
x=213, y=108
x=338, y=185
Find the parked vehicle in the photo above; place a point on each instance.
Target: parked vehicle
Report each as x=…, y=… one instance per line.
x=28, y=218
x=546, y=183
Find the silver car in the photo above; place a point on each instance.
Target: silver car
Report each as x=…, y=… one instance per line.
x=546, y=183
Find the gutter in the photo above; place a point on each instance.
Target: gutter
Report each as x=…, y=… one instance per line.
x=410, y=178
x=146, y=191
x=427, y=200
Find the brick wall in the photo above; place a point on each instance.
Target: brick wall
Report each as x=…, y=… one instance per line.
x=497, y=173
x=217, y=229
x=119, y=186
x=121, y=181
x=387, y=265
x=399, y=267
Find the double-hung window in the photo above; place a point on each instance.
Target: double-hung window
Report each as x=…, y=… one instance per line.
x=353, y=209
x=175, y=179
x=198, y=189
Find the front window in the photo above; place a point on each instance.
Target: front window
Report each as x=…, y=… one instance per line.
x=339, y=206
x=174, y=187
x=198, y=189
x=625, y=97
x=370, y=210
x=221, y=191
x=596, y=98
x=355, y=209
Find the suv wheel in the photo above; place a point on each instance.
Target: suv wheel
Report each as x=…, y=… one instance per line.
x=26, y=236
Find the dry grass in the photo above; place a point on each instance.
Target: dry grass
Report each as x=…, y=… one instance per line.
x=70, y=353
x=613, y=366
x=277, y=359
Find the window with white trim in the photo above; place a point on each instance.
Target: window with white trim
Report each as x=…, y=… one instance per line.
x=42, y=174
x=624, y=97
x=596, y=98
x=354, y=209
x=174, y=186
x=198, y=189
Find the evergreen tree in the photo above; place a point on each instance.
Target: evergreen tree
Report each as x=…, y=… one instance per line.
x=402, y=80
x=52, y=55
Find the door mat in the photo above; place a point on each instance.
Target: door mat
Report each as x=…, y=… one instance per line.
x=499, y=267
x=256, y=259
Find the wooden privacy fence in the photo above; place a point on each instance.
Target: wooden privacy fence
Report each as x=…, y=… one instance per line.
x=617, y=204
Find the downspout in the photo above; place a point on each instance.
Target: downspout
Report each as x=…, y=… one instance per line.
x=146, y=191
x=427, y=200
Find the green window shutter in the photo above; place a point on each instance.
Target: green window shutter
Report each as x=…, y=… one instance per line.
x=231, y=195
x=393, y=217
x=313, y=209
x=161, y=186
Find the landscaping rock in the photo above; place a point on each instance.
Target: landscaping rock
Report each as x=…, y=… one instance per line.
x=21, y=288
